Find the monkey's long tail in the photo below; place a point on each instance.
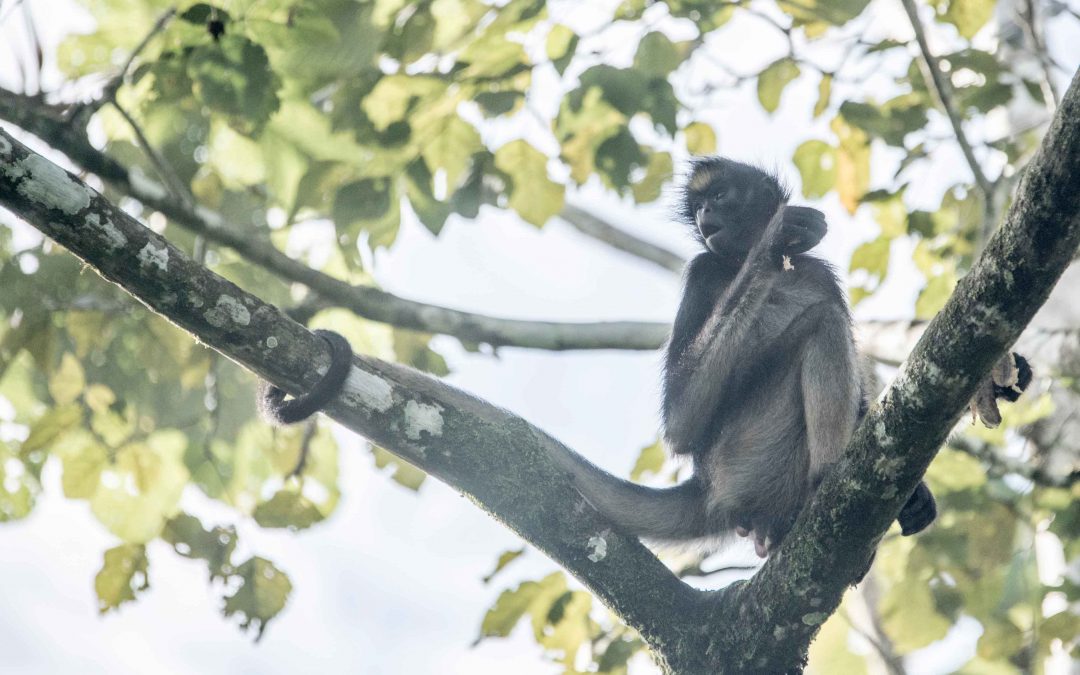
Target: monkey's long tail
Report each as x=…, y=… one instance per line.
x=661, y=514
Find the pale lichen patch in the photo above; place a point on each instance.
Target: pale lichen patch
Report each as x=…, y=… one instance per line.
x=814, y=618
x=114, y=238
x=228, y=310
x=363, y=389
x=157, y=257
x=421, y=417
x=598, y=545
x=881, y=435
x=888, y=467
x=271, y=342
x=50, y=186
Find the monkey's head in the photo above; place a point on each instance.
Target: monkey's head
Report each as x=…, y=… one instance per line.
x=728, y=203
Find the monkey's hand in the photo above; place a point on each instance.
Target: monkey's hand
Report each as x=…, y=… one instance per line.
x=1009, y=377
x=803, y=228
x=919, y=511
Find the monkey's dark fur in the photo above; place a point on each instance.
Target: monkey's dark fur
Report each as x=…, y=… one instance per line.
x=271, y=400
x=762, y=389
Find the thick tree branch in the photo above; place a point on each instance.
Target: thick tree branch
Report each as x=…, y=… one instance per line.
x=600, y=229
x=496, y=458
x=371, y=303
x=941, y=88
x=770, y=620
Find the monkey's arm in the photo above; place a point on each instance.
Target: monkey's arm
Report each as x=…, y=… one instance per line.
x=831, y=390
x=720, y=347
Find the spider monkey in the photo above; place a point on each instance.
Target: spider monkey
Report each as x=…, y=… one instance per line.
x=761, y=388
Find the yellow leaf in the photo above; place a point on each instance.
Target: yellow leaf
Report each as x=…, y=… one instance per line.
x=68, y=380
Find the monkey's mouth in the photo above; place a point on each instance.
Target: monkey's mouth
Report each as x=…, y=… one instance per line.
x=704, y=226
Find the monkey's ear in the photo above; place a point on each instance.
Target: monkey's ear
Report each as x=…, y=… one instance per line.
x=803, y=228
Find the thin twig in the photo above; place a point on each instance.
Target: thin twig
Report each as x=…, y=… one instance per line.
x=164, y=170
x=366, y=301
x=999, y=464
x=1030, y=22
x=108, y=93
x=942, y=91
x=600, y=229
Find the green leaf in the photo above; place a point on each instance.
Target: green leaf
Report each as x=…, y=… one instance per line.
x=287, y=509
x=67, y=381
x=452, y=149
x=657, y=55
x=829, y=652
x=816, y=162
x=910, y=617
x=142, y=488
x=394, y=96
x=700, y=138
x=190, y=539
x=953, y=471
x=505, y=558
x=835, y=12
x=873, y=256
x=650, y=460
x=328, y=41
x=19, y=486
x=534, y=196
x=82, y=461
x=508, y=610
x=934, y=295
x=773, y=79
x=617, y=158
x=824, y=94
x=892, y=121
x=362, y=201
x=852, y=163
x=233, y=76
x=123, y=574
x=405, y=474
x=492, y=56
x=561, y=44
x=967, y=15
x=657, y=173
x=51, y=427
x=617, y=654
x=263, y=592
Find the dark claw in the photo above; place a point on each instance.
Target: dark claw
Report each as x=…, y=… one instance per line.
x=919, y=511
x=803, y=228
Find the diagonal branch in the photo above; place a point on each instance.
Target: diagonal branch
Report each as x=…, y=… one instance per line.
x=493, y=456
x=942, y=91
x=619, y=239
x=370, y=303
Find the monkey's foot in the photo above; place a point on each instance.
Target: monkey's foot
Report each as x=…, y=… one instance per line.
x=919, y=511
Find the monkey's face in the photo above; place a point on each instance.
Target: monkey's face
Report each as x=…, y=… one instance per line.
x=729, y=204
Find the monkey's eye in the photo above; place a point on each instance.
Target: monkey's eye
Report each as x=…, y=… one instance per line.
x=719, y=195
